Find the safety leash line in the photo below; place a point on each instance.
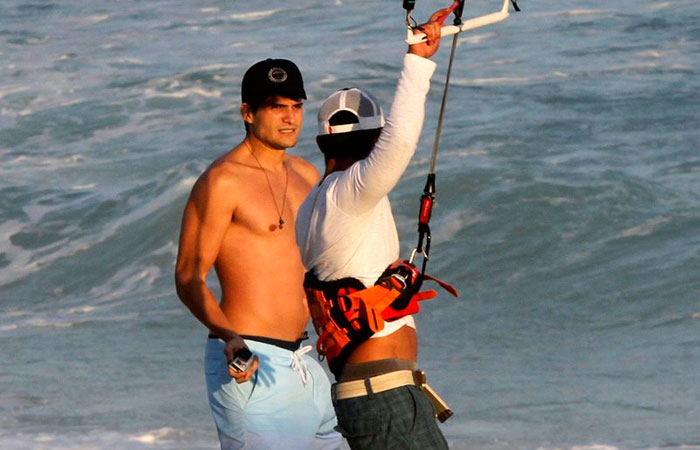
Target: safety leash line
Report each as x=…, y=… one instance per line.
x=427, y=200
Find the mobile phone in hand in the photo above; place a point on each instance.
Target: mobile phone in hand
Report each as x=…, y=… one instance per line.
x=242, y=360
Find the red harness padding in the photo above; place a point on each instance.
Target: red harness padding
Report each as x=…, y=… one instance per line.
x=406, y=278
x=345, y=313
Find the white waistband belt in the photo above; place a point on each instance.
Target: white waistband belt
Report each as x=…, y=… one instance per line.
x=380, y=383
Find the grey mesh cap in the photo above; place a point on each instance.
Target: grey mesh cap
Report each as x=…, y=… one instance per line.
x=356, y=101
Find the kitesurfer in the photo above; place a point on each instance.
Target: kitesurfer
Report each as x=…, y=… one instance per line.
x=346, y=231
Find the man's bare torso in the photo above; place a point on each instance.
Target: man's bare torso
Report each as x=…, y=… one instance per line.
x=258, y=264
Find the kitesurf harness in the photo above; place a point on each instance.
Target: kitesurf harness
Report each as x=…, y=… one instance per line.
x=345, y=313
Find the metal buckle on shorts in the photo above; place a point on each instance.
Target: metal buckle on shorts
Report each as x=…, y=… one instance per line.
x=442, y=410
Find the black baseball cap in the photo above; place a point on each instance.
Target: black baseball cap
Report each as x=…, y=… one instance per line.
x=272, y=77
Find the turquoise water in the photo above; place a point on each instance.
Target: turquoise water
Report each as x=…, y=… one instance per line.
x=568, y=212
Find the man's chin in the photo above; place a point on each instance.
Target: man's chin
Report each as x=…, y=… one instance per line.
x=286, y=143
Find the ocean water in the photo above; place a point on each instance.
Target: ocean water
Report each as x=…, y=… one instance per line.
x=568, y=212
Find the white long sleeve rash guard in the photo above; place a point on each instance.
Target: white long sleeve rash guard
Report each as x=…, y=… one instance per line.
x=345, y=227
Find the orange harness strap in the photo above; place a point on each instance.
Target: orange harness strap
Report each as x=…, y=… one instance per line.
x=345, y=314
x=344, y=322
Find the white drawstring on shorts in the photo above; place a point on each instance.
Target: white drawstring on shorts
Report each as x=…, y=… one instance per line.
x=298, y=363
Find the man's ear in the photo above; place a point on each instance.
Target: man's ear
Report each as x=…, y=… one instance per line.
x=247, y=113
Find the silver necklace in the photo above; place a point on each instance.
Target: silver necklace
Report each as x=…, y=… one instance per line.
x=269, y=185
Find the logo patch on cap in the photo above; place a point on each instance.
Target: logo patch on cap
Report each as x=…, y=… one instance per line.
x=277, y=75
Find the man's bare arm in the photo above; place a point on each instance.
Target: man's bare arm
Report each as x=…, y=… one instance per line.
x=205, y=221
x=206, y=218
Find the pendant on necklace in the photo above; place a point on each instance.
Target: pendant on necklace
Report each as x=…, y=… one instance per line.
x=281, y=223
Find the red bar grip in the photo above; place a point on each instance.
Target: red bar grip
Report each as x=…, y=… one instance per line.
x=426, y=209
x=441, y=19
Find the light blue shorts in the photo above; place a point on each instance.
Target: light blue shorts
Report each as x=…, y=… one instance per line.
x=286, y=405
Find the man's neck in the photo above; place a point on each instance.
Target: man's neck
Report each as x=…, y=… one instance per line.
x=338, y=165
x=269, y=157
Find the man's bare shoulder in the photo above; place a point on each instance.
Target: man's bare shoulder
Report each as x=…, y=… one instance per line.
x=303, y=167
x=221, y=177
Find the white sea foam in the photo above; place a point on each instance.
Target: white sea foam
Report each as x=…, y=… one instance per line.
x=167, y=87
x=154, y=436
x=493, y=80
x=69, y=317
x=453, y=222
x=594, y=447
x=98, y=18
x=185, y=93
x=475, y=38
x=24, y=109
x=573, y=12
x=586, y=12
x=658, y=6
x=84, y=187
x=214, y=68
x=583, y=447
x=8, y=90
x=503, y=62
x=254, y=15
x=40, y=322
x=81, y=310
x=351, y=50
x=18, y=257
x=29, y=168
x=650, y=54
x=92, y=19
x=464, y=152
x=188, y=182
x=16, y=313
x=633, y=67
x=23, y=262
x=329, y=79
x=131, y=61
x=166, y=438
x=127, y=281
x=646, y=228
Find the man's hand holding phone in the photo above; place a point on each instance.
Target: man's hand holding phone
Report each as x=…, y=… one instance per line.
x=242, y=363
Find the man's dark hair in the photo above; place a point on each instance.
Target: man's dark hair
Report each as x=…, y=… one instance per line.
x=354, y=144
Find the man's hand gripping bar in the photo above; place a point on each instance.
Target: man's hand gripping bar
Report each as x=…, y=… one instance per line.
x=477, y=22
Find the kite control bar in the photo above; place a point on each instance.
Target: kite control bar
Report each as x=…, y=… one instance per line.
x=459, y=26
x=428, y=198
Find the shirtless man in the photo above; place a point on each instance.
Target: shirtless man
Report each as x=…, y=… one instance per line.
x=240, y=219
